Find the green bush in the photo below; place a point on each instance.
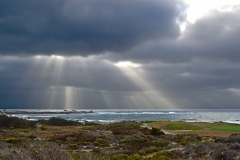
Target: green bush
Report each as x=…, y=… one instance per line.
x=13, y=140
x=15, y=122
x=135, y=157
x=160, y=157
x=125, y=125
x=73, y=146
x=183, y=142
x=56, y=121
x=43, y=128
x=165, y=155
x=101, y=142
x=123, y=141
x=85, y=156
x=91, y=123
x=156, y=131
x=150, y=150
x=117, y=157
x=160, y=143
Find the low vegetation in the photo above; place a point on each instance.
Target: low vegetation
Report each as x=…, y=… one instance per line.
x=56, y=121
x=14, y=122
x=61, y=139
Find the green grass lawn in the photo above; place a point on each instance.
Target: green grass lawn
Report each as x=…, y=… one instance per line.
x=226, y=127
x=182, y=126
x=219, y=126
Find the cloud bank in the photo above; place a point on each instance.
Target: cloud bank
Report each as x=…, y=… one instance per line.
x=117, y=54
x=84, y=27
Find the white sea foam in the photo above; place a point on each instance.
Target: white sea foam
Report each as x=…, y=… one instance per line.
x=127, y=113
x=233, y=121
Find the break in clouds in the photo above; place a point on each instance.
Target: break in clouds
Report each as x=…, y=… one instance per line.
x=73, y=54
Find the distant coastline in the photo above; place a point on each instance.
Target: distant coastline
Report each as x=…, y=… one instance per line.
x=108, y=116
x=47, y=112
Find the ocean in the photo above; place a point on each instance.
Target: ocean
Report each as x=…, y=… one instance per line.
x=107, y=116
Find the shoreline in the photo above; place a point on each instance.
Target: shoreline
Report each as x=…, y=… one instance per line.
x=47, y=112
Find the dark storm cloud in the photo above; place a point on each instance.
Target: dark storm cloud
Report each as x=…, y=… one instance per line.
x=84, y=27
x=198, y=84
x=198, y=68
x=216, y=36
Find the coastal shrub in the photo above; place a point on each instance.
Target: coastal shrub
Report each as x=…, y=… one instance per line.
x=33, y=151
x=15, y=153
x=211, y=150
x=183, y=142
x=135, y=157
x=225, y=154
x=234, y=146
x=140, y=142
x=43, y=128
x=86, y=156
x=87, y=123
x=159, y=157
x=111, y=151
x=125, y=125
x=165, y=155
x=101, y=142
x=134, y=145
x=199, y=138
x=234, y=138
x=124, y=132
x=150, y=150
x=117, y=157
x=159, y=143
x=220, y=140
x=124, y=157
x=192, y=137
x=145, y=131
x=84, y=143
x=46, y=151
x=15, y=122
x=3, y=145
x=57, y=121
x=156, y=131
x=73, y=146
x=13, y=140
x=123, y=141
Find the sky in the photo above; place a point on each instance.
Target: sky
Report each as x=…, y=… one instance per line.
x=139, y=54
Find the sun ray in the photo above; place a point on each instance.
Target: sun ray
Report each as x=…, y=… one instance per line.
x=108, y=99
x=62, y=75
x=148, y=93
x=69, y=99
